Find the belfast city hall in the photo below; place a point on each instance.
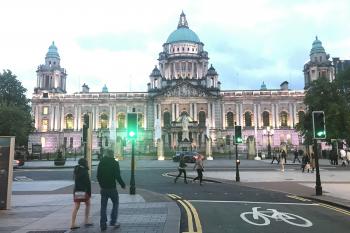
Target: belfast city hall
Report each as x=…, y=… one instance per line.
x=183, y=89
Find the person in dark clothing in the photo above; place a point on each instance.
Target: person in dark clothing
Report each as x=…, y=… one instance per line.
x=108, y=172
x=304, y=162
x=296, y=156
x=283, y=159
x=274, y=156
x=182, y=169
x=82, y=183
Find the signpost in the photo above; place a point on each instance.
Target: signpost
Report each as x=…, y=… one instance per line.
x=7, y=148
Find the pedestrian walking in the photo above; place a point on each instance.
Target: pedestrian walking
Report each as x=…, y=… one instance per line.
x=181, y=168
x=200, y=168
x=343, y=157
x=348, y=156
x=305, y=163
x=81, y=193
x=296, y=156
x=108, y=172
x=312, y=161
x=274, y=156
x=283, y=159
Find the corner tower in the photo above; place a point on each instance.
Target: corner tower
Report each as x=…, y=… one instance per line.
x=50, y=76
x=319, y=64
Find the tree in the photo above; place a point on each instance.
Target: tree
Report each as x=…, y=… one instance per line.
x=326, y=96
x=15, y=115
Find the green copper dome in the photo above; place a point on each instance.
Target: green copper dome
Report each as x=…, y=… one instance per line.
x=317, y=47
x=52, y=53
x=105, y=89
x=183, y=34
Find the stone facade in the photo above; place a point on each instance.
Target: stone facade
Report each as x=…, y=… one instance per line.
x=183, y=84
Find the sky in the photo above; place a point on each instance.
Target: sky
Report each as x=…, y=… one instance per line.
x=117, y=42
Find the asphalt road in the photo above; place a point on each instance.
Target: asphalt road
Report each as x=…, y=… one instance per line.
x=227, y=207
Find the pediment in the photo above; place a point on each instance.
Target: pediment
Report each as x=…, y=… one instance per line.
x=185, y=89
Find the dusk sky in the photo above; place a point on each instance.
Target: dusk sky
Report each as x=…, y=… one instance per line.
x=117, y=42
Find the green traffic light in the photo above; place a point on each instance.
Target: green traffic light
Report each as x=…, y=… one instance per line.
x=321, y=133
x=239, y=139
x=131, y=134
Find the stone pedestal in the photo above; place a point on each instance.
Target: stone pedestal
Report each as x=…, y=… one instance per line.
x=251, y=147
x=208, y=150
x=185, y=146
x=160, y=149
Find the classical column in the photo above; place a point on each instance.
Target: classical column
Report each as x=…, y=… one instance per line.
x=110, y=117
x=237, y=114
x=57, y=116
x=195, y=114
x=52, y=113
x=241, y=114
x=277, y=116
x=295, y=114
x=291, y=120
x=160, y=114
x=273, y=116
x=97, y=118
x=177, y=111
x=223, y=116
x=258, y=117
x=255, y=116
x=145, y=118
x=209, y=114
x=213, y=114
x=62, y=118
x=36, y=114
x=191, y=110
x=75, y=118
x=79, y=117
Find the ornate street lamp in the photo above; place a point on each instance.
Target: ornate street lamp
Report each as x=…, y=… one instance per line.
x=269, y=132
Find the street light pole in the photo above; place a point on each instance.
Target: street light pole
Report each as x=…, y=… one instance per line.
x=318, y=178
x=132, y=178
x=237, y=162
x=268, y=144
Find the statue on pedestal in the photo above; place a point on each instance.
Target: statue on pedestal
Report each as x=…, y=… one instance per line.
x=185, y=131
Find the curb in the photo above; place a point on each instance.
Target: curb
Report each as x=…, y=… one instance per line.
x=333, y=203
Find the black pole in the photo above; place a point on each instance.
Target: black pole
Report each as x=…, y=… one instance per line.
x=132, y=178
x=268, y=145
x=318, y=178
x=237, y=169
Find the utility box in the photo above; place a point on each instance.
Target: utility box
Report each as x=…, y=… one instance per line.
x=7, y=148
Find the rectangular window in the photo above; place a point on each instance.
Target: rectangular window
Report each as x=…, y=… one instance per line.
x=44, y=125
x=70, y=142
x=65, y=142
x=45, y=110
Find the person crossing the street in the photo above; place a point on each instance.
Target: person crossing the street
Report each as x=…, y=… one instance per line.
x=182, y=169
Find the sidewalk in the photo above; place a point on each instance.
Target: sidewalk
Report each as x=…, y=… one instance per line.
x=51, y=213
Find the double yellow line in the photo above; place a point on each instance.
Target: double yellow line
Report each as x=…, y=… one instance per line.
x=335, y=209
x=191, y=214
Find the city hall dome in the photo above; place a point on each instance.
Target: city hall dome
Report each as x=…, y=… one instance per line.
x=183, y=33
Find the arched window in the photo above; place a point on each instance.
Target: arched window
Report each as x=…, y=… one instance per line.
x=301, y=116
x=121, y=120
x=229, y=119
x=140, y=120
x=284, y=119
x=69, y=121
x=103, y=121
x=201, y=119
x=166, y=119
x=248, y=119
x=266, y=118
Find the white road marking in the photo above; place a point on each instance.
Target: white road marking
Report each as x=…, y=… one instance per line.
x=255, y=202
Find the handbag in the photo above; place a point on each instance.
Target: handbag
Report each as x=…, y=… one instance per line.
x=80, y=196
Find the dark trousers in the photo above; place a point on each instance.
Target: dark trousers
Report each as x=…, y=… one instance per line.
x=273, y=159
x=199, y=176
x=296, y=158
x=180, y=173
x=105, y=195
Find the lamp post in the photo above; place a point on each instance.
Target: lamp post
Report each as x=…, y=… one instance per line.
x=269, y=132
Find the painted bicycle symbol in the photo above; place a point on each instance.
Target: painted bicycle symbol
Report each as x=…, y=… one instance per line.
x=261, y=218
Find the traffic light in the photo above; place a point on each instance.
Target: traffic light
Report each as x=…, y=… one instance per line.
x=319, y=124
x=238, y=134
x=85, y=127
x=132, y=125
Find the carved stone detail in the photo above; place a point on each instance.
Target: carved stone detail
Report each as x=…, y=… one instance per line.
x=185, y=91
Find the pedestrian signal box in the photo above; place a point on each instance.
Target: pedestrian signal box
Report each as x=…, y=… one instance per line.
x=132, y=125
x=238, y=134
x=319, y=124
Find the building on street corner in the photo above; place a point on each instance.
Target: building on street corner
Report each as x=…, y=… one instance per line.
x=183, y=86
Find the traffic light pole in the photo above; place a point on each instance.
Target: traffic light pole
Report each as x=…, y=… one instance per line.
x=318, y=178
x=132, y=178
x=237, y=169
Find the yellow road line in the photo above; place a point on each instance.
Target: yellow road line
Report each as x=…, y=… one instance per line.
x=189, y=217
x=196, y=217
x=176, y=196
x=335, y=209
x=297, y=198
x=171, y=196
